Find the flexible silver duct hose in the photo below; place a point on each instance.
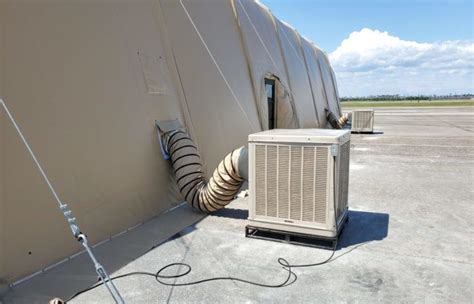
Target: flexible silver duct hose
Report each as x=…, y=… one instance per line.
x=343, y=120
x=222, y=187
x=336, y=123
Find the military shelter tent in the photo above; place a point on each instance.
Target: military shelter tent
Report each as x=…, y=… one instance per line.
x=86, y=81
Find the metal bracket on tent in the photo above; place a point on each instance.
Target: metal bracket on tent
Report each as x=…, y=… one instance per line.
x=164, y=127
x=99, y=269
x=71, y=221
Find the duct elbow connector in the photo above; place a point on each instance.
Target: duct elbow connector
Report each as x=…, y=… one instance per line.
x=343, y=120
x=224, y=184
x=336, y=123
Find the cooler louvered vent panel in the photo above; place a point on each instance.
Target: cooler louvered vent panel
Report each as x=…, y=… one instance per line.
x=308, y=183
x=291, y=182
x=283, y=181
x=343, y=178
x=321, y=184
x=260, y=191
x=362, y=119
x=271, y=180
x=295, y=183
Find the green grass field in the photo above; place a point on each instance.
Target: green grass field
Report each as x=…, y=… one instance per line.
x=408, y=103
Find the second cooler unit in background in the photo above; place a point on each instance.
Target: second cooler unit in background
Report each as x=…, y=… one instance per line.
x=362, y=121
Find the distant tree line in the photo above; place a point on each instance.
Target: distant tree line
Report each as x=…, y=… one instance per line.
x=407, y=97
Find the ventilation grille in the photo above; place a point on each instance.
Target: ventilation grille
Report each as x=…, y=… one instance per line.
x=291, y=182
x=362, y=119
x=343, y=184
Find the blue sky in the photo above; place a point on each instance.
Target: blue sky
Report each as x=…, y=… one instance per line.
x=388, y=46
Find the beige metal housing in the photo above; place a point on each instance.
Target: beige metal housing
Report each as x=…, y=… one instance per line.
x=86, y=81
x=363, y=121
x=298, y=180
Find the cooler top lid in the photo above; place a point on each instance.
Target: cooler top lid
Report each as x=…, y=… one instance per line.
x=313, y=136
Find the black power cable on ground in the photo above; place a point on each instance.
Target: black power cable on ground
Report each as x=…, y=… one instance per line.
x=159, y=277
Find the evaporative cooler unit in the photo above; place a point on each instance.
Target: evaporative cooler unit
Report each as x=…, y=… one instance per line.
x=362, y=121
x=298, y=184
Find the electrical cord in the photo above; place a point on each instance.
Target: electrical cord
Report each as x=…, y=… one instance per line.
x=159, y=277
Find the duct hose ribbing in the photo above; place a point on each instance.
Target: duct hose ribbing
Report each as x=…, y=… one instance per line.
x=222, y=187
x=336, y=123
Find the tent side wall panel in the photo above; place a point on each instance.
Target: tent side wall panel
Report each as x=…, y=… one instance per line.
x=335, y=87
x=3, y=282
x=2, y=197
x=262, y=49
x=328, y=81
x=316, y=81
x=86, y=101
x=220, y=120
x=86, y=82
x=298, y=76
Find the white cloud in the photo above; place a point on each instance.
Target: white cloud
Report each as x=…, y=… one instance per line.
x=372, y=62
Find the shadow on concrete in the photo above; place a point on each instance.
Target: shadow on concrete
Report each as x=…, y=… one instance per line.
x=176, y=236
x=364, y=227
x=239, y=214
x=367, y=133
x=78, y=273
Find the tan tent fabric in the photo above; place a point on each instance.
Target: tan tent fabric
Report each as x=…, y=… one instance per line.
x=216, y=114
x=316, y=81
x=336, y=90
x=263, y=49
x=297, y=75
x=326, y=73
x=2, y=159
x=3, y=202
x=73, y=80
x=86, y=82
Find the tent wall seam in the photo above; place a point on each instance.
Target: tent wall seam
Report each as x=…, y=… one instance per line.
x=184, y=106
x=218, y=67
x=271, y=57
x=303, y=62
x=310, y=83
x=249, y=69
